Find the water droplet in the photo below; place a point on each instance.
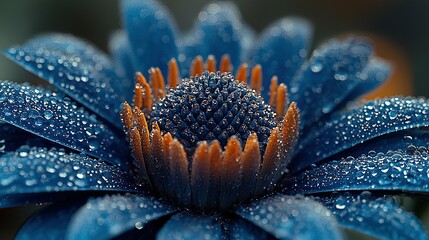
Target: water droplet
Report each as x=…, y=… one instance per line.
x=93, y=143
x=48, y=114
x=316, y=66
x=393, y=114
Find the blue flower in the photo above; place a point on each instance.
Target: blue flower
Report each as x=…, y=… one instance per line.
x=205, y=156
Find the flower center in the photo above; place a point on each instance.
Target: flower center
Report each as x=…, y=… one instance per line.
x=211, y=140
x=214, y=106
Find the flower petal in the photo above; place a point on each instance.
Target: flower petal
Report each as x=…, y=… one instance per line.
x=405, y=140
x=55, y=217
x=76, y=68
x=282, y=49
x=110, y=216
x=28, y=174
x=379, y=217
x=393, y=170
x=345, y=130
x=11, y=138
x=151, y=34
x=217, y=32
x=329, y=77
x=121, y=52
x=242, y=229
x=55, y=117
x=185, y=225
x=288, y=217
x=374, y=75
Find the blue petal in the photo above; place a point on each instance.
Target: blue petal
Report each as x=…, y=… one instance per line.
x=28, y=174
x=379, y=217
x=328, y=78
x=248, y=39
x=11, y=138
x=76, y=68
x=241, y=229
x=217, y=32
x=406, y=140
x=394, y=171
x=288, y=217
x=55, y=117
x=151, y=34
x=345, y=130
x=185, y=225
x=282, y=49
x=373, y=76
x=121, y=52
x=110, y=216
x=54, y=218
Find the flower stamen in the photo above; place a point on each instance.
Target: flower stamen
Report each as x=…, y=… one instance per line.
x=225, y=64
x=173, y=73
x=211, y=63
x=197, y=66
x=256, y=78
x=241, y=75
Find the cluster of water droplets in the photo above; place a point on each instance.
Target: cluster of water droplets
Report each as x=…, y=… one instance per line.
x=129, y=211
x=394, y=170
x=376, y=118
x=76, y=68
x=54, y=116
x=30, y=169
x=378, y=216
x=289, y=217
x=329, y=77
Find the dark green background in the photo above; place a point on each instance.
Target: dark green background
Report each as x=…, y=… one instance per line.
x=404, y=22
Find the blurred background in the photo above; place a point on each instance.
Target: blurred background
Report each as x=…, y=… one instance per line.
x=399, y=30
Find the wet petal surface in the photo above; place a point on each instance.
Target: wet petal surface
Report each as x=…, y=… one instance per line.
x=345, y=130
x=376, y=216
x=373, y=76
x=110, y=216
x=76, y=68
x=217, y=32
x=282, y=49
x=330, y=75
x=185, y=225
x=287, y=217
x=395, y=170
x=55, y=117
x=30, y=172
x=12, y=138
x=151, y=34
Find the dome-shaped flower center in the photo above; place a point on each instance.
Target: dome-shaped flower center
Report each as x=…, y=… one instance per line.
x=214, y=106
x=211, y=140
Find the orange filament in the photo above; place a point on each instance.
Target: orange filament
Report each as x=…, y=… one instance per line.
x=200, y=170
x=157, y=83
x=173, y=73
x=140, y=79
x=251, y=159
x=273, y=91
x=256, y=78
x=281, y=101
x=225, y=64
x=211, y=63
x=241, y=75
x=197, y=66
x=127, y=116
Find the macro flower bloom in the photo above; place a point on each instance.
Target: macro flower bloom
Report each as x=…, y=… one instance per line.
x=212, y=153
